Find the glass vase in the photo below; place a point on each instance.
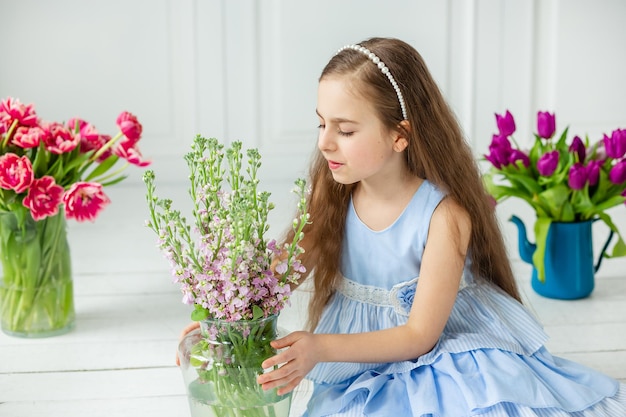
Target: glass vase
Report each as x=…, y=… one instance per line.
x=36, y=288
x=220, y=363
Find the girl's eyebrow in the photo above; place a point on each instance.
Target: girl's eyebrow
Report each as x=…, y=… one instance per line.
x=337, y=119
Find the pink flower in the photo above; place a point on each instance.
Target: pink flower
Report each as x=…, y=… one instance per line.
x=43, y=198
x=84, y=201
x=128, y=151
x=28, y=137
x=546, y=165
x=59, y=138
x=617, y=175
x=546, y=124
x=130, y=126
x=13, y=109
x=89, y=138
x=16, y=173
x=506, y=124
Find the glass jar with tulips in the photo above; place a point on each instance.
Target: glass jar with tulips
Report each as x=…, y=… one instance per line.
x=50, y=172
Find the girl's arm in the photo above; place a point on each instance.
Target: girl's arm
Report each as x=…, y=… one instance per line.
x=438, y=284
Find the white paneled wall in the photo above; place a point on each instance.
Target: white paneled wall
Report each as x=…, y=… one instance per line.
x=247, y=69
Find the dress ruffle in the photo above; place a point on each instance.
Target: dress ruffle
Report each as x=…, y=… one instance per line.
x=486, y=383
x=490, y=361
x=483, y=317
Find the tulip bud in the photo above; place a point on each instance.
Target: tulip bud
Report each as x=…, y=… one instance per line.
x=517, y=155
x=578, y=147
x=506, y=124
x=546, y=165
x=617, y=175
x=578, y=176
x=499, y=151
x=546, y=124
x=593, y=171
x=615, y=145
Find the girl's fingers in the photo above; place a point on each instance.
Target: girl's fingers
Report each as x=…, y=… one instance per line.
x=286, y=341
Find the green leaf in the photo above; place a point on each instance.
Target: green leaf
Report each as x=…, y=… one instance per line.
x=620, y=247
x=554, y=198
x=103, y=167
x=542, y=226
x=114, y=181
x=199, y=313
x=257, y=312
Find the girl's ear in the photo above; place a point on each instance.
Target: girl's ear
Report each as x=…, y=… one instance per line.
x=401, y=140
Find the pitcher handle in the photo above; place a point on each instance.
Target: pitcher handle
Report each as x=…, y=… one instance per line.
x=604, y=248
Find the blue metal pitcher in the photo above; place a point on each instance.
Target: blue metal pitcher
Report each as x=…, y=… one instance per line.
x=569, y=263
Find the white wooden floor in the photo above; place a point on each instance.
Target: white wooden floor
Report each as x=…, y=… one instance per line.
x=119, y=360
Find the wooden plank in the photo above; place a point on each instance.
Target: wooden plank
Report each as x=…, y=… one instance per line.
x=170, y=406
x=92, y=385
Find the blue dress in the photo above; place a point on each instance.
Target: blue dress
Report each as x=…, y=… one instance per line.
x=490, y=360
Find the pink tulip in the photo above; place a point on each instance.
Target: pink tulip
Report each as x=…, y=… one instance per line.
x=578, y=147
x=59, y=138
x=517, y=155
x=616, y=144
x=130, y=126
x=500, y=151
x=43, y=198
x=126, y=150
x=13, y=109
x=578, y=176
x=617, y=175
x=546, y=124
x=84, y=201
x=546, y=165
x=16, y=173
x=593, y=169
x=506, y=124
x=28, y=137
x=89, y=138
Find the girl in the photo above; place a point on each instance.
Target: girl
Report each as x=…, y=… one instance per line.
x=415, y=310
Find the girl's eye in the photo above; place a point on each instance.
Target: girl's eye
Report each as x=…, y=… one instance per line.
x=342, y=133
x=321, y=126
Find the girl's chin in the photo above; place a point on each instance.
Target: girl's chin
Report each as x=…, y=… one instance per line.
x=342, y=179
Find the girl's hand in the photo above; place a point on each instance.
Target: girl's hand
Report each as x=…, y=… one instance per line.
x=297, y=361
x=190, y=327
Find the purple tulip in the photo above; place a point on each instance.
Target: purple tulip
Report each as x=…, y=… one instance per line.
x=546, y=165
x=578, y=147
x=546, y=124
x=499, y=151
x=593, y=170
x=506, y=124
x=517, y=155
x=578, y=176
x=617, y=175
x=615, y=145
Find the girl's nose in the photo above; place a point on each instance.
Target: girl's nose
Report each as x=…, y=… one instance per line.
x=325, y=140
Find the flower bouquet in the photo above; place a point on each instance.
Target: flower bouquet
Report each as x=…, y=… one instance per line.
x=50, y=171
x=563, y=182
x=236, y=279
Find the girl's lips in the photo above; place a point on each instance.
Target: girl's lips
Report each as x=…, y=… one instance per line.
x=334, y=165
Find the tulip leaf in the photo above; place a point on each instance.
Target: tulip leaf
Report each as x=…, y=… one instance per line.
x=611, y=202
x=619, y=249
x=542, y=226
x=103, y=167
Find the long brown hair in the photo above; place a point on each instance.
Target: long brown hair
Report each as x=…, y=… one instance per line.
x=437, y=151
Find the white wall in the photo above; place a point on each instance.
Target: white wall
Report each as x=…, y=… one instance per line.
x=247, y=69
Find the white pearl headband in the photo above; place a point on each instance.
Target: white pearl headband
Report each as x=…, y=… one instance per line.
x=383, y=68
